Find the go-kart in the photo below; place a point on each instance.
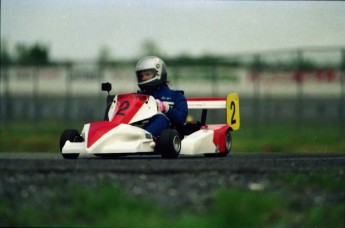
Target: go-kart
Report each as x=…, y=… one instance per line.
x=122, y=132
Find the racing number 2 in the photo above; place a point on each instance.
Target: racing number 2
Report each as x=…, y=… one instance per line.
x=123, y=107
x=233, y=111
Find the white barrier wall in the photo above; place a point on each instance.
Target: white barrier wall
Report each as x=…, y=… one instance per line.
x=83, y=80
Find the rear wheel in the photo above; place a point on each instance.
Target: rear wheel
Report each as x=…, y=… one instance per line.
x=72, y=136
x=169, y=144
x=228, y=144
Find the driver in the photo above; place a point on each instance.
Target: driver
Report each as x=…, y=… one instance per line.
x=152, y=80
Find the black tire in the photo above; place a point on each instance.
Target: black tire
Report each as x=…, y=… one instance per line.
x=228, y=143
x=228, y=146
x=72, y=136
x=169, y=144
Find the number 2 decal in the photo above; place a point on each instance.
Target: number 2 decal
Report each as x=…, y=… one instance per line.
x=233, y=111
x=123, y=107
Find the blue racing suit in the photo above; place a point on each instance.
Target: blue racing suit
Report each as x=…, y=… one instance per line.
x=176, y=114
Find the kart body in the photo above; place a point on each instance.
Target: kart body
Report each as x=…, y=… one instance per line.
x=123, y=132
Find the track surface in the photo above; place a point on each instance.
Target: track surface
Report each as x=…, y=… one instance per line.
x=235, y=162
x=183, y=182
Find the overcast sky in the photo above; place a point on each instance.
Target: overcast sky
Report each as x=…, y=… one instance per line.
x=77, y=29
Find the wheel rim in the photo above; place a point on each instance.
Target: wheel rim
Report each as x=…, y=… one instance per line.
x=177, y=143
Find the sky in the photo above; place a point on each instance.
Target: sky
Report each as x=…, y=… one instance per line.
x=78, y=29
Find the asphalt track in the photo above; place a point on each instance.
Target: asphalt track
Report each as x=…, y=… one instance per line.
x=234, y=162
x=182, y=182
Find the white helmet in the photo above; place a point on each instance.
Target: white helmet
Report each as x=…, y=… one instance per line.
x=151, y=63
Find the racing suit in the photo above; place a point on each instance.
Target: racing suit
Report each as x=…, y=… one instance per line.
x=176, y=114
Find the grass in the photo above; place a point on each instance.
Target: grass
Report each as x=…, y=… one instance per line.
x=44, y=137
x=238, y=208
x=106, y=205
x=307, y=138
x=328, y=183
x=80, y=206
x=31, y=137
x=324, y=213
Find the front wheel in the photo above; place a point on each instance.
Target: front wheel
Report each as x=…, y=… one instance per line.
x=169, y=144
x=72, y=136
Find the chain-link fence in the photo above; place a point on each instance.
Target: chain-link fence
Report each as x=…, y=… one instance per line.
x=292, y=86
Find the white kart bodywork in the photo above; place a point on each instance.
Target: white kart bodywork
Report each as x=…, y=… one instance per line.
x=122, y=139
x=200, y=142
x=129, y=139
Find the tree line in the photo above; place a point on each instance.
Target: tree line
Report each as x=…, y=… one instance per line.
x=39, y=54
x=25, y=54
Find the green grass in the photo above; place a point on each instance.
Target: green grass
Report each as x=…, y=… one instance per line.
x=44, y=137
x=30, y=137
x=107, y=206
x=307, y=138
x=80, y=206
x=316, y=180
x=241, y=208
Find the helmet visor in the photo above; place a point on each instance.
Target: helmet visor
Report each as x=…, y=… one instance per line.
x=146, y=75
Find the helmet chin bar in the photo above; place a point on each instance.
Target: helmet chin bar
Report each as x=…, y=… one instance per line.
x=151, y=83
x=150, y=86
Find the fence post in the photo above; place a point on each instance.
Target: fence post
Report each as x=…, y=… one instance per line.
x=176, y=75
x=256, y=70
x=102, y=65
x=6, y=104
x=299, y=83
x=342, y=94
x=35, y=95
x=68, y=96
x=214, y=80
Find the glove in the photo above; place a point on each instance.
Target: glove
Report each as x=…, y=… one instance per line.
x=162, y=106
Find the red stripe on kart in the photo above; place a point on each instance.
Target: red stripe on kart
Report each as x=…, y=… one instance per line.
x=219, y=135
x=97, y=130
